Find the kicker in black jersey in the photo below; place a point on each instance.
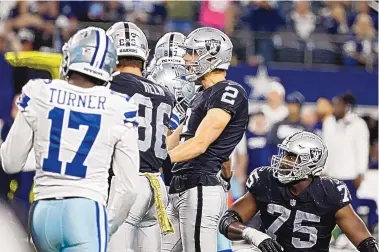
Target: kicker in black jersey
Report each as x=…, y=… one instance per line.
x=232, y=98
x=301, y=222
x=155, y=104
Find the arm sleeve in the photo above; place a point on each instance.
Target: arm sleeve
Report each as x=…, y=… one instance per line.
x=19, y=142
x=126, y=162
x=15, y=150
x=30, y=164
x=175, y=119
x=362, y=144
x=125, y=168
x=229, y=98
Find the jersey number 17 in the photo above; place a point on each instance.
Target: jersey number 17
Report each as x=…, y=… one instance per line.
x=76, y=167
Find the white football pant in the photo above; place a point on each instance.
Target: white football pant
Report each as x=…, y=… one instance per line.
x=195, y=214
x=141, y=231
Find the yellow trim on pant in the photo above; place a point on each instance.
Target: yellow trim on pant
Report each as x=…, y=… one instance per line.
x=163, y=220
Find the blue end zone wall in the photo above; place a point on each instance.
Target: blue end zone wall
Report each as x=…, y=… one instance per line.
x=311, y=83
x=315, y=83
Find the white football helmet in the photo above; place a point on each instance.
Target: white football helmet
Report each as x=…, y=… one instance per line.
x=207, y=49
x=301, y=155
x=91, y=52
x=129, y=40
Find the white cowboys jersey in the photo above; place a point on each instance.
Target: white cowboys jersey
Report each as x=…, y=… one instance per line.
x=75, y=133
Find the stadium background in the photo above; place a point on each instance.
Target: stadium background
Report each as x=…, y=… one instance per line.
x=319, y=48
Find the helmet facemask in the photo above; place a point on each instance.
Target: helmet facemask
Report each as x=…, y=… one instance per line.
x=290, y=166
x=183, y=92
x=199, y=62
x=63, y=69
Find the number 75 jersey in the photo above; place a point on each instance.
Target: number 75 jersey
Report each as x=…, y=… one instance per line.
x=77, y=133
x=301, y=222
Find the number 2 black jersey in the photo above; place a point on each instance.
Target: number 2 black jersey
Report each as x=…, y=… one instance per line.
x=232, y=98
x=155, y=104
x=301, y=222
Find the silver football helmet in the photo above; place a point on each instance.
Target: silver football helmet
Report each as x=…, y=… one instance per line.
x=207, y=49
x=171, y=76
x=91, y=52
x=301, y=155
x=169, y=49
x=170, y=45
x=129, y=40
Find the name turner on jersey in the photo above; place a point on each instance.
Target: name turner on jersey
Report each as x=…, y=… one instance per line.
x=63, y=97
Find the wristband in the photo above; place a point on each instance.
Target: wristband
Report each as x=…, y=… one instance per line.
x=254, y=236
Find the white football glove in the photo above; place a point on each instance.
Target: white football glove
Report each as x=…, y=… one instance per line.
x=225, y=183
x=264, y=242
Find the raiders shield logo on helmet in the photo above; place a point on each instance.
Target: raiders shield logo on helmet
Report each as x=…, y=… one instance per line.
x=213, y=46
x=315, y=154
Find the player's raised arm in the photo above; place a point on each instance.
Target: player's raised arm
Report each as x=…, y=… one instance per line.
x=208, y=131
x=126, y=162
x=37, y=60
x=355, y=229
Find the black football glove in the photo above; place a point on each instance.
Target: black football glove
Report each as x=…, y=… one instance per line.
x=261, y=240
x=270, y=245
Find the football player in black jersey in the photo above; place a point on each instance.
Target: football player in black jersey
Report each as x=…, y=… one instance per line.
x=215, y=122
x=142, y=228
x=299, y=208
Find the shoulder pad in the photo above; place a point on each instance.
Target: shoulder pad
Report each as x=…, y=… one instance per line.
x=256, y=176
x=124, y=96
x=339, y=194
x=29, y=91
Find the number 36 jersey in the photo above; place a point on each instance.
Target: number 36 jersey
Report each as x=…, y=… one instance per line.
x=301, y=222
x=76, y=133
x=230, y=97
x=155, y=104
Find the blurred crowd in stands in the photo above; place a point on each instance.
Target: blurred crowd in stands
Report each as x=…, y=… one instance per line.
x=327, y=32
